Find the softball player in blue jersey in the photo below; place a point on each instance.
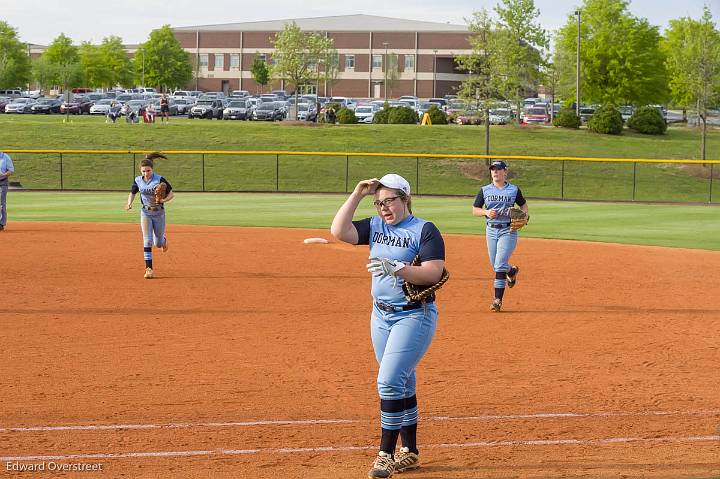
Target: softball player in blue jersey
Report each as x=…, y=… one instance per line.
x=152, y=214
x=493, y=202
x=401, y=331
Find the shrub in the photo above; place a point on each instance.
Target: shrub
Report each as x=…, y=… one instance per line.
x=346, y=116
x=606, y=120
x=402, y=115
x=648, y=121
x=381, y=116
x=437, y=116
x=566, y=118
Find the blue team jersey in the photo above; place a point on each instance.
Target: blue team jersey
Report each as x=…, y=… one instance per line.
x=147, y=188
x=403, y=241
x=501, y=199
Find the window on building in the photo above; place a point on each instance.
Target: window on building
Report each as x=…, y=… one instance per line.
x=349, y=62
x=263, y=57
x=377, y=61
x=234, y=60
x=203, y=60
x=219, y=61
x=409, y=63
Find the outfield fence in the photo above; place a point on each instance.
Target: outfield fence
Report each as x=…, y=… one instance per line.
x=576, y=178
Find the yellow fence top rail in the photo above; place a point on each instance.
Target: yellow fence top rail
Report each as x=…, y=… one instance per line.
x=374, y=154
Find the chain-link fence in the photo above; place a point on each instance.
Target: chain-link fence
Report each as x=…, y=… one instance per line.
x=611, y=179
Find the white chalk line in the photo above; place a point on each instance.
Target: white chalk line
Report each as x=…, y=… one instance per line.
x=289, y=450
x=312, y=422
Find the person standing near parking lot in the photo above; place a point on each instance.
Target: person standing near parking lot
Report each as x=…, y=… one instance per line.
x=164, y=108
x=494, y=202
x=6, y=170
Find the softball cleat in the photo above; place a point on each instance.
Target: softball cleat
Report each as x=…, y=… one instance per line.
x=512, y=278
x=406, y=460
x=148, y=273
x=496, y=306
x=383, y=467
x=165, y=246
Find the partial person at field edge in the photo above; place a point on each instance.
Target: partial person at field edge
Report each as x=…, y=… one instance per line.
x=6, y=170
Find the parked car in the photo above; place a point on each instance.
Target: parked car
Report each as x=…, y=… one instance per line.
x=626, y=112
x=34, y=94
x=586, y=113
x=12, y=94
x=470, y=116
x=282, y=94
x=236, y=110
x=138, y=106
x=3, y=103
x=536, y=116
x=365, y=113
x=102, y=107
x=306, y=112
x=441, y=102
x=455, y=108
x=424, y=106
x=184, y=104
x=77, y=106
x=20, y=105
x=154, y=107
x=125, y=97
x=239, y=93
x=500, y=116
x=94, y=97
x=47, y=106
x=178, y=94
x=268, y=111
x=207, y=108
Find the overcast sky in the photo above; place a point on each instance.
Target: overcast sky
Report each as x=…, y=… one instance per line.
x=91, y=20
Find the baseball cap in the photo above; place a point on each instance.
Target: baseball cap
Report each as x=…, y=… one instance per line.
x=391, y=180
x=498, y=164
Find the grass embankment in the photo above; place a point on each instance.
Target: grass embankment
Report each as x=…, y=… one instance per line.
x=662, y=225
x=576, y=180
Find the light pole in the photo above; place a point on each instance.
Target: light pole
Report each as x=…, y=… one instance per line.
x=434, y=71
x=385, y=70
x=577, y=73
x=143, y=66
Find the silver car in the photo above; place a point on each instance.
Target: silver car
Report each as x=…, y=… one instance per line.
x=236, y=110
x=365, y=113
x=20, y=105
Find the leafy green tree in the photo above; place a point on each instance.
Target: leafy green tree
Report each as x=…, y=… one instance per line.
x=93, y=66
x=43, y=72
x=166, y=64
x=327, y=61
x=117, y=62
x=693, y=62
x=294, y=55
x=620, y=56
x=393, y=73
x=14, y=59
x=485, y=67
x=522, y=45
x=260, y=71
x=64, y=58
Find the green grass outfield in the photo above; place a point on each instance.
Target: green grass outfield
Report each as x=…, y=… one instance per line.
x=451, y=176
x=662, y=225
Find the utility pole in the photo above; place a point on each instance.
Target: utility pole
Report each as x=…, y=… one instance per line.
x=577, y=73
x=434, y=71
x=142, y=50
x=385, y=69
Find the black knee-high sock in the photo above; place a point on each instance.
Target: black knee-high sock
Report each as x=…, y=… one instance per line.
x=500, y=277
x=391, y=414
x=148, y=256
x=408, y=433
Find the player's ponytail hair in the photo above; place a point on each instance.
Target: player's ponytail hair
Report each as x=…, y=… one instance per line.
x=405, y=198
x=148, y=161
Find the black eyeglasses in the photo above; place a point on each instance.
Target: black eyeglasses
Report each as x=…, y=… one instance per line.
x=386, y=202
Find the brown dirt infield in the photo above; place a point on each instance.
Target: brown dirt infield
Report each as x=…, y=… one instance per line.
x=244, y=327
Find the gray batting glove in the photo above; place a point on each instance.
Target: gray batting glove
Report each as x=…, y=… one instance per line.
x=384, y=266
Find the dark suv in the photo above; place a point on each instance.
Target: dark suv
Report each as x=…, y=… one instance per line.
x=207, y=108
x=269, y=111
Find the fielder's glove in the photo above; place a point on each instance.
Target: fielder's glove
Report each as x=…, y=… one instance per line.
x=384, y=266
x=518, y=218
x=160, y=193
x=419, y=293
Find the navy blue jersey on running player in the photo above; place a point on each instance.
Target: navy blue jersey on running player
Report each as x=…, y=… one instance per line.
x=500, y=199
x=403, y=241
